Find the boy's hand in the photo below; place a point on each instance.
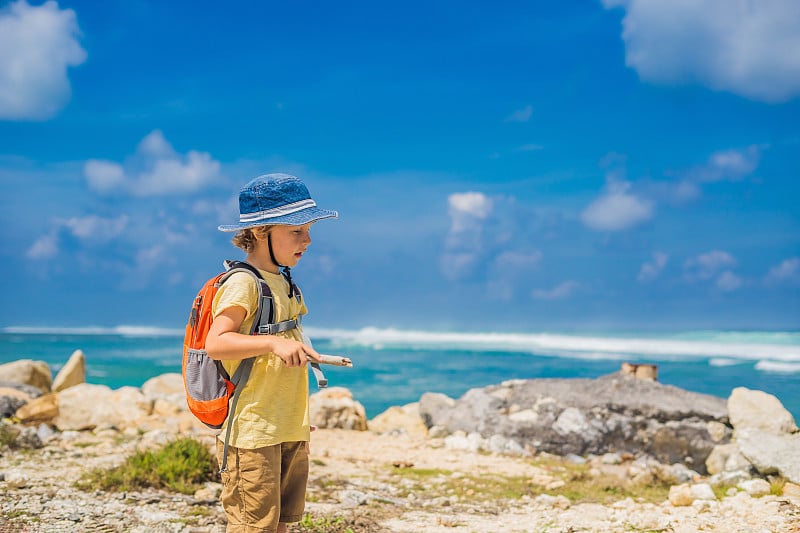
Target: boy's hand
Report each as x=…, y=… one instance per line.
x=294, y=353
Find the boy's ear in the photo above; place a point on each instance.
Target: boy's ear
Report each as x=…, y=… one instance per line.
x=261, y=232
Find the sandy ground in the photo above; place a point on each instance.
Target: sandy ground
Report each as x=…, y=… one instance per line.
x=363, y=482
x=372, y=464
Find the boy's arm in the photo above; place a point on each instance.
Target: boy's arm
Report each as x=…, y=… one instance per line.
x=224, y=342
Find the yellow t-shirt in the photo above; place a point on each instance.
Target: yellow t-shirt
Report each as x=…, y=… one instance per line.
x=273, y=406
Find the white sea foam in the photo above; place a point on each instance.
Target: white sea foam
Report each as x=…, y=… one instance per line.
x=778, y=366
x=722, y=361
x=559, y=345
x=721, y=348
x=126, y=331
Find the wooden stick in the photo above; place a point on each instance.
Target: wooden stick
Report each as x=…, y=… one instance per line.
x=335, y=360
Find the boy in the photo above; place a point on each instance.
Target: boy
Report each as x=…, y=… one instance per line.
x=265, y=482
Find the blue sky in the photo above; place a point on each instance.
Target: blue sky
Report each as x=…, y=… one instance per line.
x=523, y=166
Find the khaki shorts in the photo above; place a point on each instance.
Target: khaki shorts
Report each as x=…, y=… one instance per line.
x=264, y=486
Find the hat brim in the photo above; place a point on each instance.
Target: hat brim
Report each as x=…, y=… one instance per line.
x=306, y=216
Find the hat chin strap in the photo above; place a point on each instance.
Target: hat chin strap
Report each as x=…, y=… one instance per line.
x=285, y=270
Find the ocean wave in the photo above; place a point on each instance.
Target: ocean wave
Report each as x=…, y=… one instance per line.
x=124, y=331
x=559, y=345
x=722, y=361
x=720, y=348
x=778, y=366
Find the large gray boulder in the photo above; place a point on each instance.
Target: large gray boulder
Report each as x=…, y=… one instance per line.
x=614, y=413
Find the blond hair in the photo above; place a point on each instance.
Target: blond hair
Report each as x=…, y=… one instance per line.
x=246, y=239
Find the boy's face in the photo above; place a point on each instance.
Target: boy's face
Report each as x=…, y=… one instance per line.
x=289, y=243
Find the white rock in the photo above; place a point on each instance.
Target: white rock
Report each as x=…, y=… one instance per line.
x=755, y=487
x=755, y=409
x=703, y=491
x=681, y=495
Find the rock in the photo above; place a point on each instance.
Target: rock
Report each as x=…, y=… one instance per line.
x=703, y=491
x=87, y=406
x=681, y=495
x=335, y=408
x=754, y=409
x=209, y=493
x=676, y=473
x=732, y=477
x=438, y=432
x=400, y=420
x=500, y=444
x=755, y=487
x=168, y=387
x=28, y=438
x=437, y=406
x=28, y=372
x=611, y=459
x=16, y=479
x=72, y=373
x=41, y=409
x=791, y=490
x=718, y=431
x=556, y=502
x=726, y=458
x=352, y=498
x=613, y=413
x=770, y=453
x=461, y=441
x=12, y=399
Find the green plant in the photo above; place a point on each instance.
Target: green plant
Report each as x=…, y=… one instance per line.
x=182, y=465
x=8, y=436
x=776, y=484
x=323, y=524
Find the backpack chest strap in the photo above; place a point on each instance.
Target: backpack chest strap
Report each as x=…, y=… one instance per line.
x=271, y=329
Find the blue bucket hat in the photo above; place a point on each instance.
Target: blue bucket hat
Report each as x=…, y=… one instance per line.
x=276, y=199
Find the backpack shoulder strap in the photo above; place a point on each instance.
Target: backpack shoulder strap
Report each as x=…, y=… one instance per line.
x=265, y=313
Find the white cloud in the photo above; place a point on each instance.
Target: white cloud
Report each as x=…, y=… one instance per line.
x=37, y=45
x=617, y=209
x=467, y=210
x=650, y=271
x=521, y=115
x=559, y=292
x=727, y=165
x=728, y=281
x=90, y=230
x=732, y=165
x=104, y=176
x=95, y=229
x=155, y=170
x=707, y=265
x=45, y=247
x=747, y=47
x=787, y=272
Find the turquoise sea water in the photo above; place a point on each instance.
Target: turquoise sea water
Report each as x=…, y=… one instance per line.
x=395, y=367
